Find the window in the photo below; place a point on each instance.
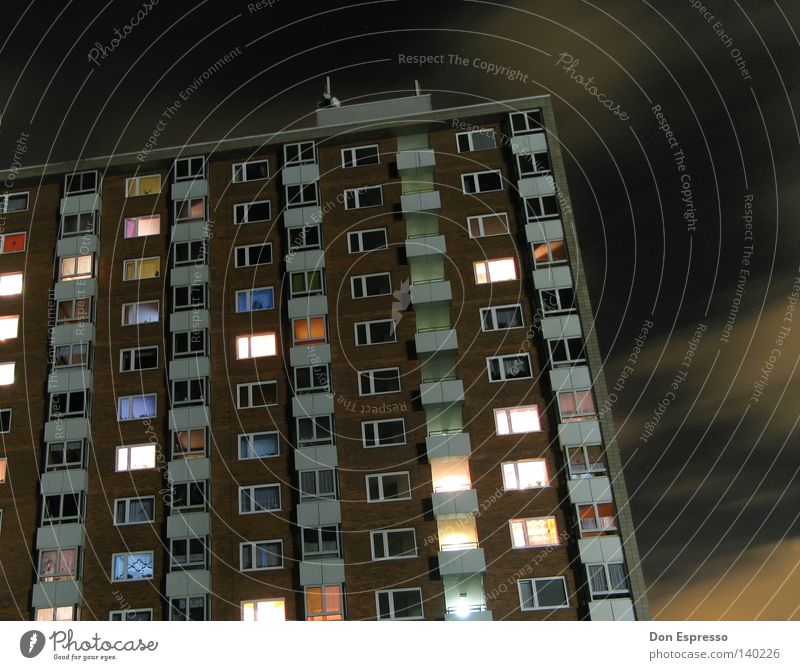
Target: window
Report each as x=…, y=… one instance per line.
x=389, y=544
x=64, y=455
x=375, y=332
x=189, y=253
x=366, y=196
x=77, y=224
x=256, y=499
x=134, y=510
x=13, y=202
x=308, y=282
x=188, y=554
x=309, y=330
x=188, y=297
x=261, y=555
x=3, y=470
x=193, y=209
x=136, y=407
x=62, y=508
x=255, y=299
x=358, y=156
x=65, y=613
x=557, y=300
x=516, y=420
x=368, y=286
x=508, y=368
x=476, y=140
x=607, y=578
x=388, y=486
x=194, y=608
x=252, y=212
x=264, y=610
x=137, y=313
x=487, y=225
x=11, y=283
x=540, y=207
x=76, y=267
x=505, y=317
x=312, y=379
x=136, y=565
x=188, y=497
x=530, y=474
x=12, y=243
x=317, y=484
x=367, y=240
x=58, y=565
x=189, y=169
x=496, y=270
x=142, y=268
x=250, y=171
x=305, y=237
x=82, y=182
x=533, y=165
x=140, y=358
x=320, y=542
x=383, y=380
x=190, y=443
x=324, y=603
x=567, y=350
x=256, y=394
x=596, y=518
x=7, y=373
x=136, y=457
x=525, y=123
x=539, y=532
x=71, y=403
x=586, y=461
x=550, y=252
x=74, y=311
x=314, y=430
x=146, y=185
x=301, y=195
x=189, y=343
x=258, y=445
x=256, y=346
x=384, y=433
x=482, y=182
x=9, y=327
x=131, y=615
x=186, y=392
x=300, y=153
x=543, y=594
x=399, y=604
x=5, y=420
x=576, y=405
x=141, y=226
x=254, y=254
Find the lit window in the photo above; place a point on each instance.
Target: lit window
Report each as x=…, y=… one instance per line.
x=264, y=610
x=576, y=405
x=146, y=185
x=543, y=594
x=539, y=532
x=142, y=268
x=56, y=565
x=309, y=330
x=9, y=327
x=597, y=519
x=193, y=209
x=252, y=212
x=497, y=270
x=517, y=420
x=255, y=299
x=299, y=153
x=258, y=445
x=76, y=267
x=13, y=202
x=586, y=461
x=11, y=283
x=519, y=475
x=136, y=565
x=481, y=182
x=366, y=196
x=317, y=484
x=12, y=243
x=450, y=475
x=250, y=171
x=505, y=317
x=142, y=226
x=256, y=499
x=7, y=373
x=487, y=225
x=508, y=368
x=256, y=346
x=358, y=156
x=136, y=313
x=136, y=407
x=190, y=443
x=476, y=140
x=136, y=457
x=134, y=510
x=131, y=615
x=399, y=604
x=324, y=603
x=3, y=470
x=65, y=613
x=261, y=555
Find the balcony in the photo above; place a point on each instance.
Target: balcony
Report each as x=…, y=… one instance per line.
x=411, y=161
x=432, y=341
x=469, y=613
x=192, y=583
x=313, y=305
x=425, y=245
x=297, y=217
x=448, y=504
x=312, y=404
x=315, y=572
x=300, y=174
x=431, y=291
x=424, y=201
x=470, y=561
x=448, y=445
x=445, y=392
x=57, y=594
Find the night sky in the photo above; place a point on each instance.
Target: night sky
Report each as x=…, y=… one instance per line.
x=666, y=236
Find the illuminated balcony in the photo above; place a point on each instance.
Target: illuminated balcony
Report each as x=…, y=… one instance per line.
x=465, y=599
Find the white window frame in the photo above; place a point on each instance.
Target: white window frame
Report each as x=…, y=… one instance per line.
x=128, y=502
x=188, y=564
x=247, y=438
x=190, y=247
x=359, y=235
x=368, y=332
x=123, y=614
x=247, y=247
x=179, y=454
x=489, y=132
x=303, y=188
x=137, y=180
x=551, y=199
x=188, y=506
x=551, y=261
x=375, y=423
x=479, y=219
x=252, y=488
x=589, y=470
x=186, y=297
x=138, y=219
x=578, y=415
x=188, y=160
x=127, y=555
x=316, y=386
x=252, y=397
x=319, y=530
x=379, y=477
x=75, y=274
x=392, y=609
x=241, y=212
x=157, y=303
x=191, y=337
x=242, y=167
x=308, y=320
x=493, y=312
x=384, y=535
x=189, y=201
x=607, y=576
x=248, y=294
x=371, y=376
x=350, y=152
x=70, y=396
x=302, y=233
x=185, y=613
x=74, y=348
x=317, y=440
x=127, y=449
x=569, y=360
x=67, y=465
x=130, y=399
x=137, y=268
x=537, y=607
x=5, y=197
x=268, y=335
x=22, y=234
x=534, y=156
x=510, y=411
x=326, y=613
x=252, y=548
x=527, y=544
x=487, y=262
x=3, y=412
x=300, y=161
x=529, y=128
x=307, y=292
x=194, y=385
x=560, y=300
x=503, y=377
x=62, y=518
x=475, y=177
x=516, y=466
x=357, y=196
x=11, y=275
x=362, y=279
x=57, y=575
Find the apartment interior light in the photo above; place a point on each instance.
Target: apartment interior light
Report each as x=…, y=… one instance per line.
x=462, y=606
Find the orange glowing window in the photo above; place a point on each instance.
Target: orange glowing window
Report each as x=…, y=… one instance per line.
x=13, y=243
x=597, y=518
x=264, y=610
x=539, y=532
x=310, y=330
x=324, y=603
x=549, y=253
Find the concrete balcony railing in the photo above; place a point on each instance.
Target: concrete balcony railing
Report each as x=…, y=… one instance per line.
x=471, y=561
x=433, y=341
x=431, y=291
x=445, y=392
x=425, y=245
x=424, y=201
x=454, y=503
x=448, y=445
x=411, y=161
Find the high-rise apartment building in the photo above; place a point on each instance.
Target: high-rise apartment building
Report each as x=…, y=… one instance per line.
x=342, y=372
